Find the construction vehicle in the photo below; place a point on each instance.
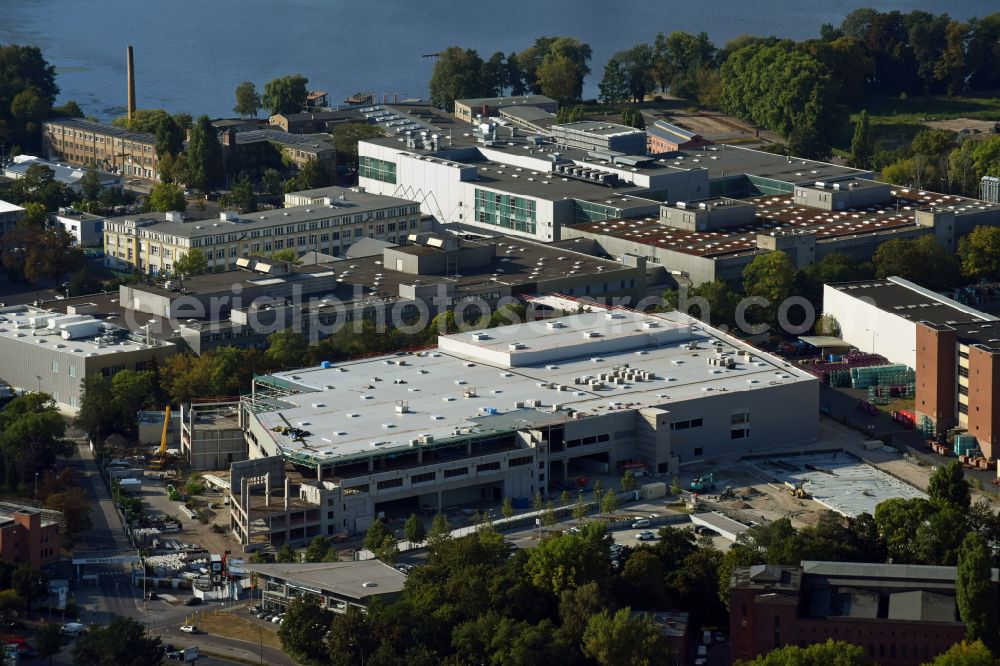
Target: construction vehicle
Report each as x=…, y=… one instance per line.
x=796, y=490
x=727, y=494
x=161, y=454
x=703, y=482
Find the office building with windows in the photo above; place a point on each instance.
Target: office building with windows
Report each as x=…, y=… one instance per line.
x=505, y=412
x=52, y=352
x=111, y=149
x=336, y=218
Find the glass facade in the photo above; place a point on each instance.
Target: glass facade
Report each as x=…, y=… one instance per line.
x=505, y=211
x=369, y=167
x=588, y=211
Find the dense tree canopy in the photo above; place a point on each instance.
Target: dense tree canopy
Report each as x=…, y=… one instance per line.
x=122, y=641
x=921, y=260
x=286, y=94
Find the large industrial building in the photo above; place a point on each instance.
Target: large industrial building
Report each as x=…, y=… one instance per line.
x=111, y=149
x=899, y=614
x=53, y=352
x=955, y=350
x=505, y=412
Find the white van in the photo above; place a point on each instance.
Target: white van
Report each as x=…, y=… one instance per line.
x=706, y=637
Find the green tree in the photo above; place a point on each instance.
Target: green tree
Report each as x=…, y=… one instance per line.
x=897, y=521
x=771, y=276
x=49, y=640
x=457, y=75
x=628, y=481
x=580, y=508
x=311, y=175
x=965, y=654
x=320, y=549
x=286, y=94
x=633, y=118
x=287, y=349
x=976, y=594
x=248, y=101
x=68, y=110
x=271, y=181
x=192, y=262
x=304, y=623
x=286, y=555
x=636, y=67
x=90, y=184
x=624, y=639
x=830, y=653
x=242, y=196
x=507, y=507
x=440, y=529
x=346, y=137
x=349, y=638
x=642, y=581
x=204, y=156
x=31, y=584
x=167, y=196
x=774, y=86
x=32, y=435
x=614, y=86
x=381, y=542
x=609, y=502
x=677, y=60
x=559, y=78
x=921, y=260
x=570, y=560
x=122, y=641
x=948, y=486
x=980, y=253
x=414, y=530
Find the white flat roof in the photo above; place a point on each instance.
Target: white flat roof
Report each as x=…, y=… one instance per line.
x=15, y=324
x=350, y=409
x=7, y=207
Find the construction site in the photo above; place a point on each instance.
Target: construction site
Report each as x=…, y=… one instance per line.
x=841, y=472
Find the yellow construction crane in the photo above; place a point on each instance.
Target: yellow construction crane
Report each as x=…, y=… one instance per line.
x=161, y=454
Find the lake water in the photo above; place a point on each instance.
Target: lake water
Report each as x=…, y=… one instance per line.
x=190, y=55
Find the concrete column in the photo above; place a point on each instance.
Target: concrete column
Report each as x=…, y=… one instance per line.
x=371, y=465
x=565, y=464
x=319, y=472
x=267, y=489
x=288, y=490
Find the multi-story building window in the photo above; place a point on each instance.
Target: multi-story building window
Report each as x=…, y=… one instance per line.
x=369, y=167
x=505, y=211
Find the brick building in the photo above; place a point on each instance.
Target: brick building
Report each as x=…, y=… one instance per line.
x=901, y=615
x=111, y=149
x=958, y=379
x=28, y=537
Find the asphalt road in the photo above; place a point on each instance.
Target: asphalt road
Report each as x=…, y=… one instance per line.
x=107, y=532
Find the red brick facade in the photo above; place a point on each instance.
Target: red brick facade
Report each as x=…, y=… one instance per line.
x=25, y=540
x=935, y=394
x=984, y=391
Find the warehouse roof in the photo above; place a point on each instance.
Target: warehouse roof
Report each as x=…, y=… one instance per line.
x=516, y=374
x=354, y=580
x=501, y=102
x=911, y=301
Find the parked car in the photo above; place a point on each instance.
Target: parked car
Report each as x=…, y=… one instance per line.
x=168, y=648
x=706, y=637
x=189, y=629
x=278, y=618
x=261, y=615
x=151, y=596
x=176, y=655
x=705, y=531
x=193, y=601
x=645, y=535
x=720, y=637
x=253, y=610
x=642, y=522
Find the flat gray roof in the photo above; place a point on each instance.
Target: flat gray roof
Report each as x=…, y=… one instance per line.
x=29, y=326
x=506, y=101
x=350, y=410
x=102, y=128
x=354, y=203
x=597, y=128
x=345, y=579
x=911, y=301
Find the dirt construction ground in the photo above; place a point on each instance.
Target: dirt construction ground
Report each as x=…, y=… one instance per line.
x=760, y=499
x=959, y=124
